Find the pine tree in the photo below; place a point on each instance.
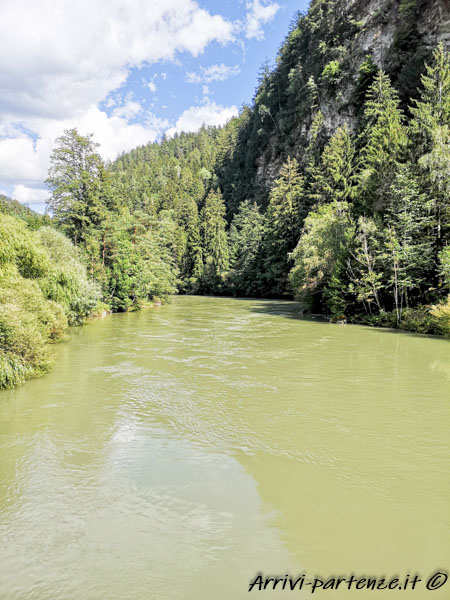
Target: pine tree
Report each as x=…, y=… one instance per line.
x=432, y=110
x=430, y=129
x=214, y=242
x=382, y=142
x=246, y=246
x=283, y=224
x=192, y=260
x=408, y=252
x=333, y=179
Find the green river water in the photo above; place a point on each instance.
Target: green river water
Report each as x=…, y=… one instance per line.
x=175, y=453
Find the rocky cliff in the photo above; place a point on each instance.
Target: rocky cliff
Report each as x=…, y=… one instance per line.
x=320, y=78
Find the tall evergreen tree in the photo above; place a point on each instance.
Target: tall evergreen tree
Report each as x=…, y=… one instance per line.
x=214, y=242
x=333, y=179
x=430, y=129
x=408, y=253
x=191, y=267
x=431, y=110
x=283, y=224
x=382, y=143
x=246, y=250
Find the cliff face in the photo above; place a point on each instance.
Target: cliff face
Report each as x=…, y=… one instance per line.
x=398, y=35
x=324, y=67
x=384, y=18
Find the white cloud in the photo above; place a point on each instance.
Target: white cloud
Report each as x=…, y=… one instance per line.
x=64, y=58
x=28, y=195
x=67, y=55
x=259, y=13
x=208, y=113
x=128, y=111
x=212, y=73
x=23, y=161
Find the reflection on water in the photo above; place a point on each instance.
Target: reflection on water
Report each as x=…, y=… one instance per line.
x=176, y=453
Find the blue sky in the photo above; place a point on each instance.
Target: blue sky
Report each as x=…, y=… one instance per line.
x=126, y=70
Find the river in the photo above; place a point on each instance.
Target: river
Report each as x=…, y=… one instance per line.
x=175, y=453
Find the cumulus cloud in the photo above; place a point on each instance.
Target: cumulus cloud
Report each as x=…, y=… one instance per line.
x=27, y=161
x=64, y=58
x=128, y=111
x=31, y=196
x=259, y=13
x=62, y=64
x=212, y=73
x=208, y=113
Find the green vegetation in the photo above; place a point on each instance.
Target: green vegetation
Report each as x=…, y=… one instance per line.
x=353, y=220
x=43, y=289
x=34, y=220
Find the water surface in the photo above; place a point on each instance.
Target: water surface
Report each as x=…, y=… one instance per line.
x=177, y=452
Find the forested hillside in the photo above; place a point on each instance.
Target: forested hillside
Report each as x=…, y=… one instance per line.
x=332, y=186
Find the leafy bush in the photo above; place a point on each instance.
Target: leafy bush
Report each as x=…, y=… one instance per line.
x=441, y=315
x=13, y=370
x=421, y=319
x=331, y=73
x=43, y=288
x=66, y=281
